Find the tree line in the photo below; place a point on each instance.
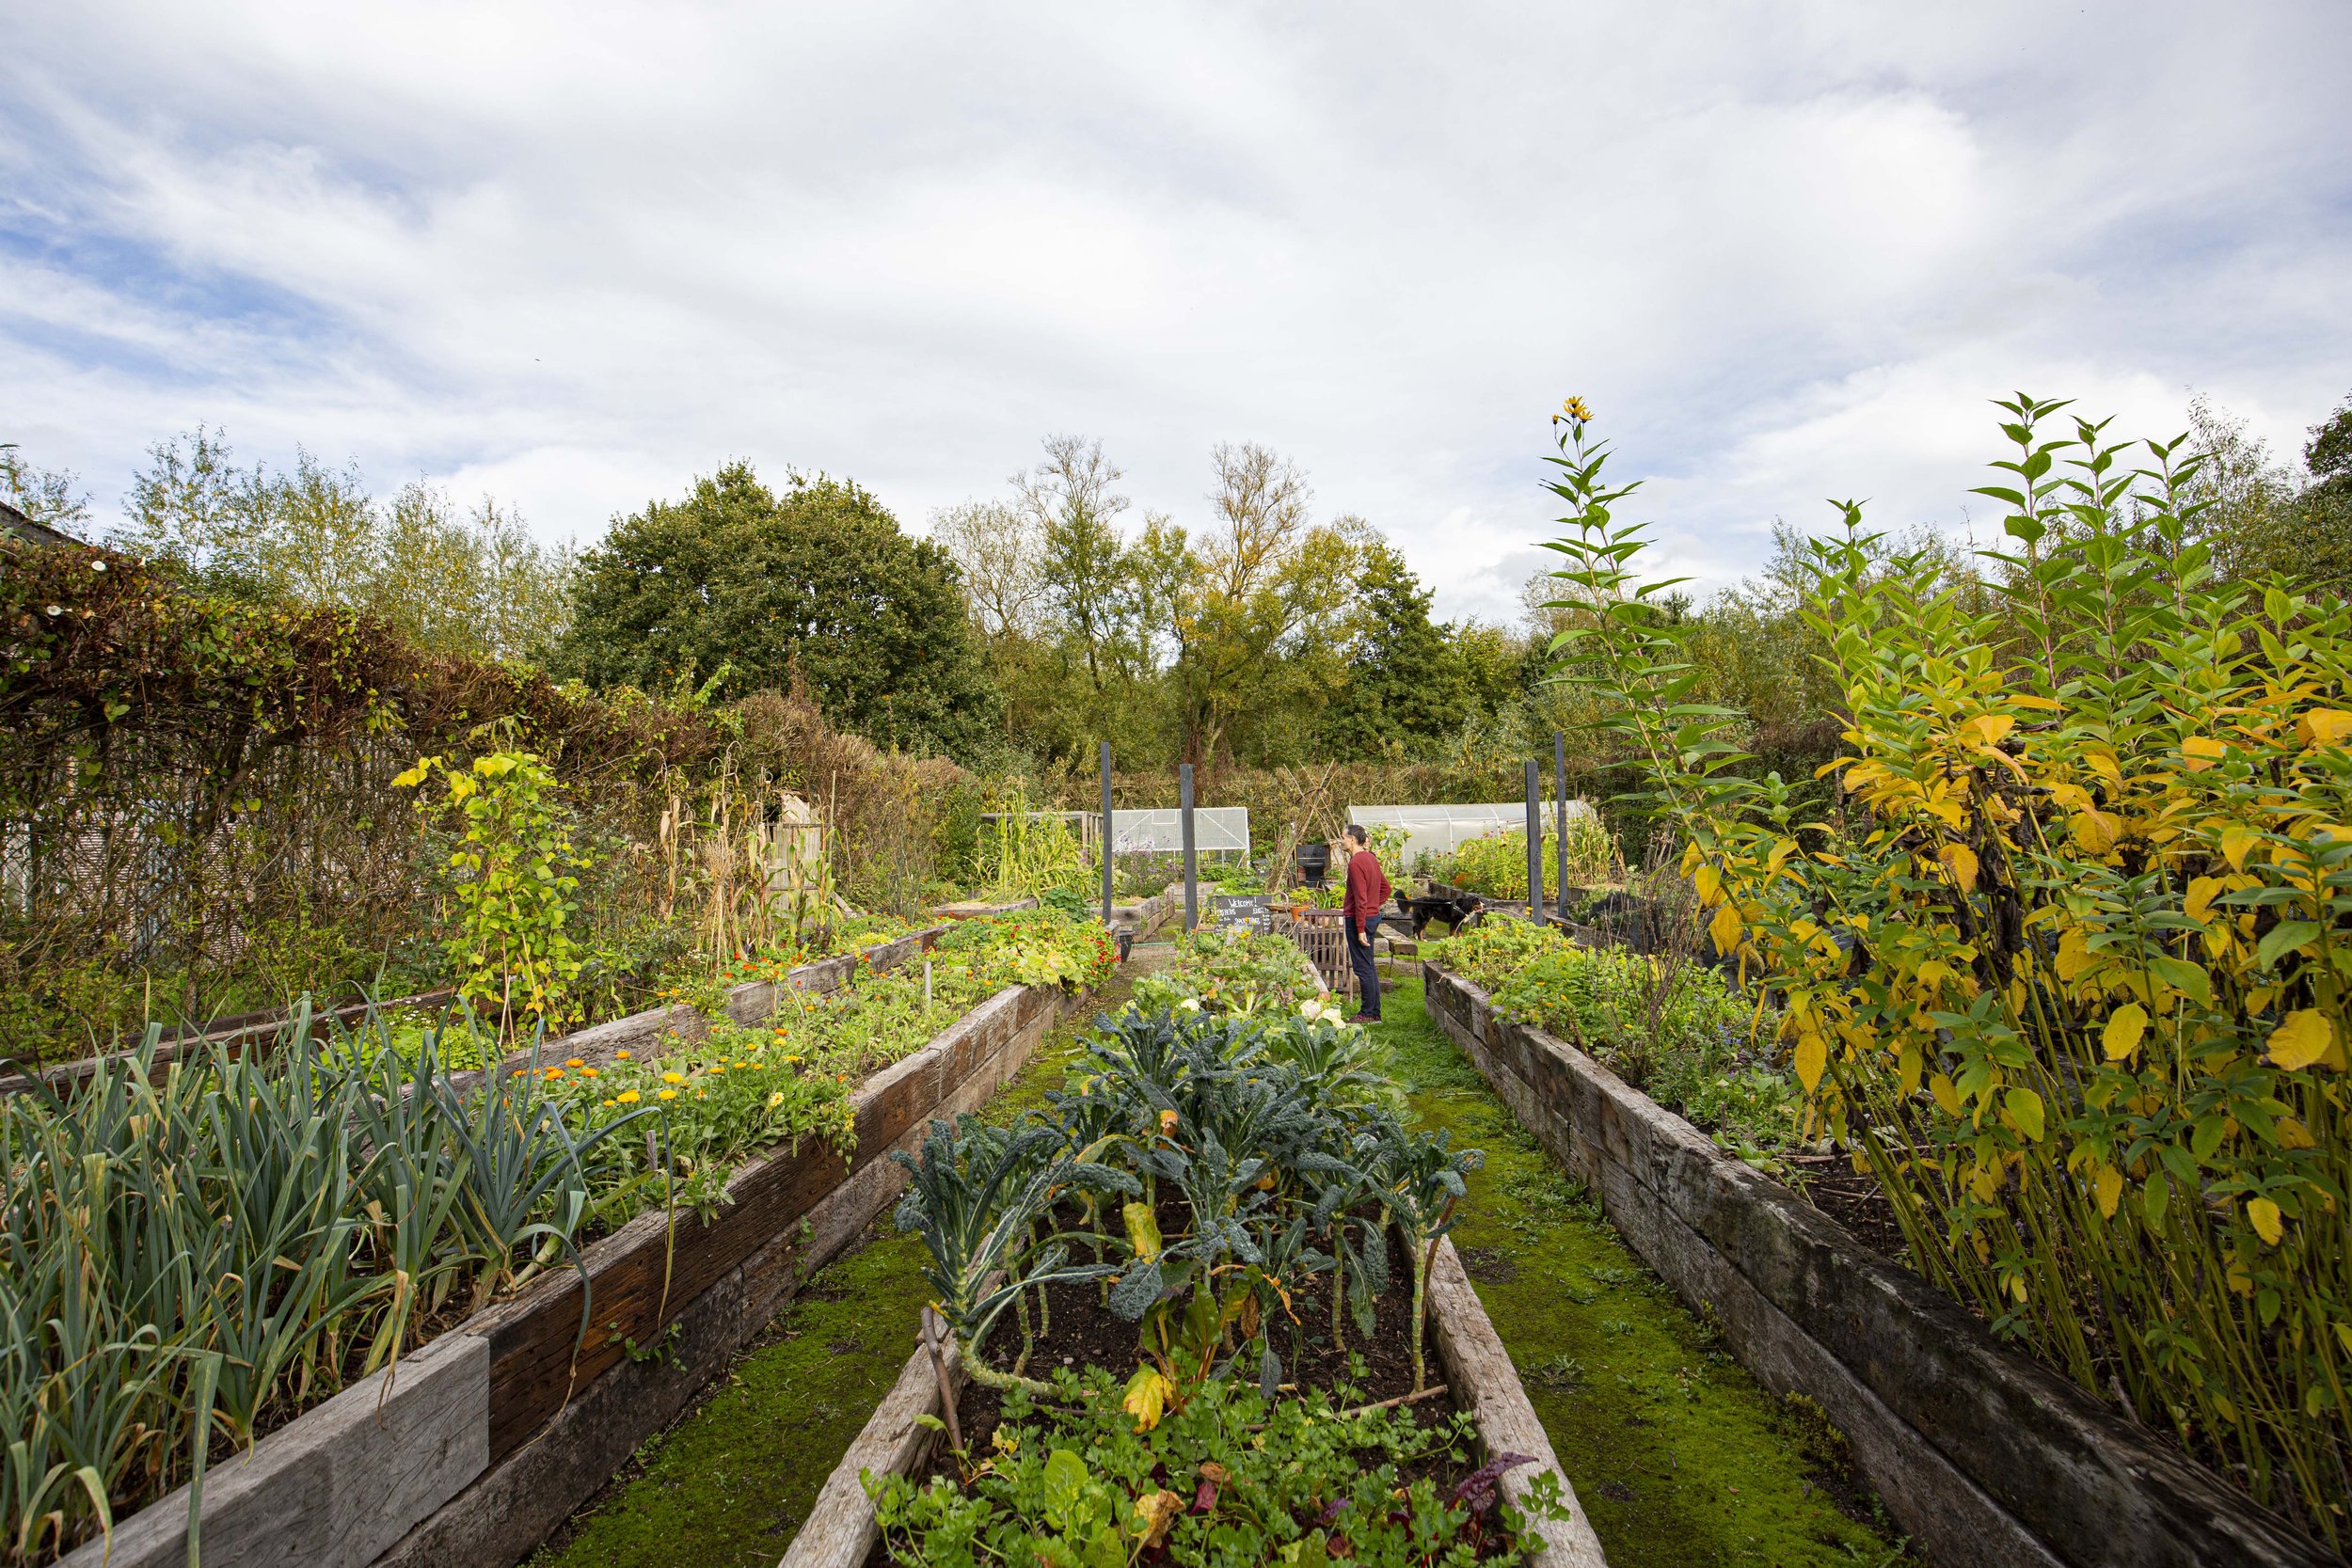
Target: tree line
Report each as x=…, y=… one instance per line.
x=1030, y=624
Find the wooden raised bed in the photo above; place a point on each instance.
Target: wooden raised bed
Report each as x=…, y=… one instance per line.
x=472, y=1448
x=1982, y=1456
x=840, y=1528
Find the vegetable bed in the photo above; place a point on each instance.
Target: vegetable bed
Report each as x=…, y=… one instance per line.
x=637, y=1302
x=1217, y=1250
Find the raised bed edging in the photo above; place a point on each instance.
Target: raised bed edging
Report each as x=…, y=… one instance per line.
x=840, y=1530
x=1985, y=1457
x=330, y=1489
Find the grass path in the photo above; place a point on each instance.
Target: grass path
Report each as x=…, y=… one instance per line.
x=1680, y=1458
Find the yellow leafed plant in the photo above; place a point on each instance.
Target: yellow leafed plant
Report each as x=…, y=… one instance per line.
x=2067, y=969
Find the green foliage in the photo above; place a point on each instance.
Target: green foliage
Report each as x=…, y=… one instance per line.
x=1406, y=683
x=1224, y=970
x=2061, y=975
x=513, y=876
x=1675, y=1030
x=761, y=592
x=1295, y=1482
x=192, y=1255
x=1495, y=864
x=481, y=587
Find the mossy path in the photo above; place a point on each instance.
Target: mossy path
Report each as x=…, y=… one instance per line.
x=727, y=1485
x=1681, y=1459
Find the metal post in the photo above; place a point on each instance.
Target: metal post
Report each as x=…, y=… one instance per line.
x=1192, y=879
x=1534, y=843
x=1107, y=835
x=1560, y=812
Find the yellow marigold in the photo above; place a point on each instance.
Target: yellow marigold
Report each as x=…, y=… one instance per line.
x=667, y=1094
x=553, y=1073
x=717, y=1066
x=574, y=1061
x=674, y=1078
x=610, y=1103
x=627, y=1096
x=589, y=1072
x=622, y=1057
x=775, y=1099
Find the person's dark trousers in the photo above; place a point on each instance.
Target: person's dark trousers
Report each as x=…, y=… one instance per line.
x=1360, y=959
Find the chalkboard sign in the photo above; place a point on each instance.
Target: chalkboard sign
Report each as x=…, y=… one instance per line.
x=1240, y=912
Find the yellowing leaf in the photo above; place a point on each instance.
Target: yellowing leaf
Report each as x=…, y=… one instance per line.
x=2094, y=830
x=411, y=779
x=2294, y=1134
x=1143, y=1231
x=1709, y=881
x=2237, y=839
x=2125, y=1027
x=1724, y=927
x=1947, y=1094
x=1812, y=1058
x=2201, y=752
x=2074, y=954
x=2302, y=1039
x=1961, y=862
x=1155, y=1511
x=2202, y=891
x=1147, y=1397
x=2110, y=1186
x=2264, y=1214
x=2025, y=1107
x=2324, y=726
x=1993, y=727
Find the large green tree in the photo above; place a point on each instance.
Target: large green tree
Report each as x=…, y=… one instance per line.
x=817, y=582
x=1407, y=684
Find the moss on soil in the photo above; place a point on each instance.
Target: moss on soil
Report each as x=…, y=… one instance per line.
x=729, y=1482
x=1678, y=1455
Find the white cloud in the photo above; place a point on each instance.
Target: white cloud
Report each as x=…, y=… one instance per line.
x=578, y=253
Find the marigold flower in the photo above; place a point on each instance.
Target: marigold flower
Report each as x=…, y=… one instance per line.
x=667, y=1094
x=589, y=1072
x=610, y=1103
x=574, y=1061
x=622, y=1057
x=775, y=1099
x=719, y=1067
x=674, y=1078
x=627, y=1096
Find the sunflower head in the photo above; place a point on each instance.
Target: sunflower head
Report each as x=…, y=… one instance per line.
x=1574, y=412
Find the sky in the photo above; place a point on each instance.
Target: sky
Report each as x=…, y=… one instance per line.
x=572, y=255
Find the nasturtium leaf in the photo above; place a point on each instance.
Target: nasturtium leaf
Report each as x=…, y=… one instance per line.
x=2302, y=1039
x=2125, y=1027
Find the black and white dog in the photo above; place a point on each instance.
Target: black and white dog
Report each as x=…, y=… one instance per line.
x=1451, y=905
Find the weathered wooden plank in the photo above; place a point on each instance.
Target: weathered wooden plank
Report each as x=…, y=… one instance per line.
x=840, y=1528
x=335, y=1488
x=1487, y=1386
x=1964, y=1438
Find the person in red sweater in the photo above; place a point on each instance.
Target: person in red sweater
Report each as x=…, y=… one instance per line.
x=1368, y=894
